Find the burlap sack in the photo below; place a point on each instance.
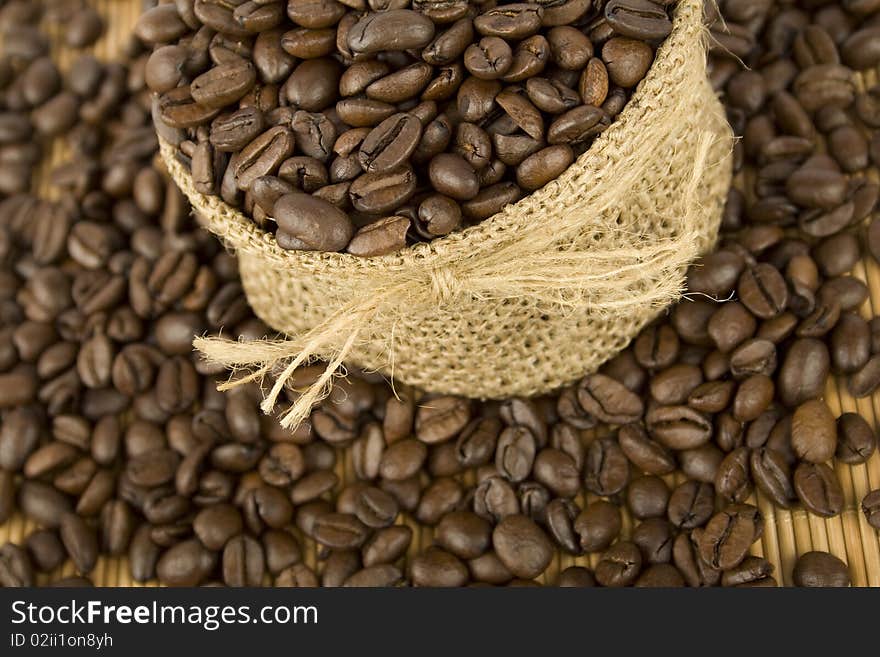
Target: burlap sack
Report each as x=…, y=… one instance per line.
x=525, y=302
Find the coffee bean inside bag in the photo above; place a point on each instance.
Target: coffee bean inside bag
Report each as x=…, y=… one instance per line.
x=402, y=121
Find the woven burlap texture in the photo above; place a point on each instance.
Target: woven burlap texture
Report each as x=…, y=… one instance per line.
x=528, y=300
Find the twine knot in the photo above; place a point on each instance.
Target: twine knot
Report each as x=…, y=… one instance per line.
x=444, y=284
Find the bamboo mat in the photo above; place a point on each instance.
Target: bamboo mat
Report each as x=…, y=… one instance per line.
x=787, y=534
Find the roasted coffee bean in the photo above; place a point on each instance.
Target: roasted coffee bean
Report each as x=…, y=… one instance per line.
x=453, y=176
x=489, y=59
x=243, y=562
x=626, y=60
x=464, y=533
x=15, y=567
x=609, y=400
x=606, y=468
x=813, y=432
x=515, y=21
x=46, y=550
x=237, y=130
x=223, y=84
x=620, y=565
x=597, y=526
x=397, y=29
x=803, y=372
x=678, y=427
x=871, y=508
x=763, y=291
x=729, y=535
x=557, y=471
x=820, y=569
x=80, y=542
x=691, y=504
x=515, y=453
x=772, y=476
x=733, y=480
x=390, y=143
x=654, y=539
x=639, y=19
x=339, y=531
x=863, y=382
x=687, y=559
x=311, y=223
x=674, y=384
x=647, y=497
x=441, y=419
x=522, y=546
x=752, y=571
x=856, y=441
x=850, y=343
x=495, y=499
x=576, y=576
x=817, y=488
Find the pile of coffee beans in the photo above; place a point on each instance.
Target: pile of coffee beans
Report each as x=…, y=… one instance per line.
x=114, y=440
x=367, y=125
x=37, y=105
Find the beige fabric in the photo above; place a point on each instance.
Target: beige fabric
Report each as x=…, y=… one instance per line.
x=527, y=301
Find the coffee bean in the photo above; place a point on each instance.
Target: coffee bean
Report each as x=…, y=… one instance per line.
x=626, y=60
x=729, y=535
x=576, y=576
x=243, y=562
x=186, y=564
x=860, y=49
x=690, y=564
x=639, y=19
x=464, y=534
x=495, y=499
x=515, y=21
x=453, y=176
x=397, y=29
x=609, y=400
x=46, y=550
x=643, y=452
x=813, y=432
x=850, y=343
x=803, y=372
x=606, y=468
x=597, y=526
x=441, y=419
x=864, y=381
x=871, y=508
x=821, y=569
x=522, y=546
x=620, y=565
x=80, y=542
x=674, y=384
x=733, y=481
x=856, y=440
x=15, y=567
x=772, y=476
x=752, y=571
x=558, y=472
x=312, y=223
x=817, y=488
x=678, y=427
x=763, y=291
x=647, y=497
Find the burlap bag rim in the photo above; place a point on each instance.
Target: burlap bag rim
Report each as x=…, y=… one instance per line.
x=241, y=233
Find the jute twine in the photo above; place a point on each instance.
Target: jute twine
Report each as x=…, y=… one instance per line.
x=528, y=300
